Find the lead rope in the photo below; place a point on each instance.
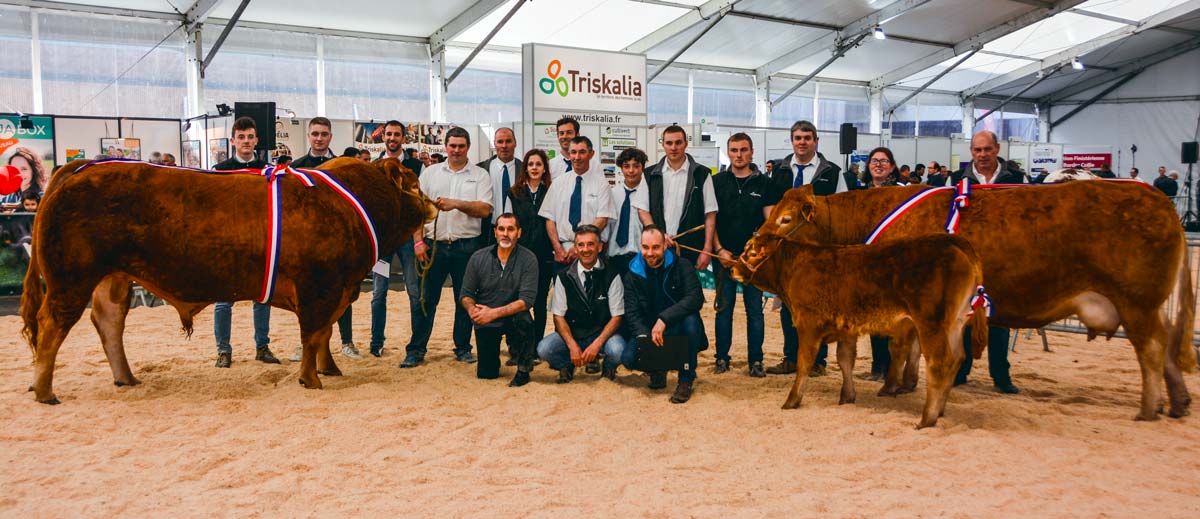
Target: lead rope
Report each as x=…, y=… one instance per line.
x=424, y=266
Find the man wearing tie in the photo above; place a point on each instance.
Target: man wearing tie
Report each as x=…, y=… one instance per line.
x=633, y=204
x=803, y=167
x=567, y=130
x=503, y=168
x=582, y=196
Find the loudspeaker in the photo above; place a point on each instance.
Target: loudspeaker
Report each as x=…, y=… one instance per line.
x=1188, y=155
x=848, y=138
x=264, y=122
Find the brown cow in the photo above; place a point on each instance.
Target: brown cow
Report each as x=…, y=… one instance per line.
x=193, y=238
x=836, y=291
x=1109, y=252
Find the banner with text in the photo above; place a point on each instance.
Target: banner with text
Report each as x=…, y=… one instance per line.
x=588, y=85
x=1086, y=160
x=1045, y=158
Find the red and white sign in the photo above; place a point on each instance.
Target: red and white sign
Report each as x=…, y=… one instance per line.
x=1086, y=160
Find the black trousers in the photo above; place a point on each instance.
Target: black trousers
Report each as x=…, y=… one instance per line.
x=521, y=344
x=881, y=358
x=997, y=352
x=619, y=264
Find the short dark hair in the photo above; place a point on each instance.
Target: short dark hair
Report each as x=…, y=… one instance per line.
x=587, y=228
x=31, y=194
x=584, y=140
x=804, y=126
x=654, y=228
x=350, y=152
x=567, y=120
x=919, y=167
x=634, y=154
x=244, y=123
x=516, y=221
x=740, y=136
x=936, y=165
x=458, y=131
x=1135, y=170
x=674, y=128
x=321, y=121
x=394, y=122
x=905, y=167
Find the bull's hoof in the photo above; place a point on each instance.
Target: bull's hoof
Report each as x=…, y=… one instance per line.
x=905, y=390
x=926, y=423
x=315, y=383
x=131, y=382
x=847, y=399
x=335, y=372
x=49, y=401
x=1178, y=412
x=789, y=404
x=1142, y=417
x=30, y=389
x=888, y=391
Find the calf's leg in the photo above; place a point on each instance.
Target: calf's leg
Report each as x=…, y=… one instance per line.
x=807, y=351
x=847, y=349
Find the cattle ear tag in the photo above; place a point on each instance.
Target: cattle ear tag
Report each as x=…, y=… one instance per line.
x=806, y=211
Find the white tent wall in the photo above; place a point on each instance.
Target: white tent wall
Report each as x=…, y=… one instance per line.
x=1157, y=127
x=85, y=134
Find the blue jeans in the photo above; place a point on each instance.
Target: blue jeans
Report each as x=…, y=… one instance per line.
x=379, y=293
x=221, y=323
x=752, y=299
x=450, y=260
x=791, y=342
x=553, y=349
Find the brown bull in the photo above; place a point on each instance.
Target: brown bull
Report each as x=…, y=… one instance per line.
x=835, y=291
x=1111, y=253
x=193, y=238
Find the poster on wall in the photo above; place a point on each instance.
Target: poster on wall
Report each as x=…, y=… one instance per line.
x=1086, y=160
x=709, y=157
x=127, y=148
x=283, y=148
x=76, y=154
x=1045, y=158
x=369, y=136
x=30, y=150
x=218, y=151
x=545, y=138
x=15, y=230
x=430, y=138
x=191, y=154
x=614, y=140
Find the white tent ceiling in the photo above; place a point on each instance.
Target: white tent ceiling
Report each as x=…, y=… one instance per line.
x=756, y=33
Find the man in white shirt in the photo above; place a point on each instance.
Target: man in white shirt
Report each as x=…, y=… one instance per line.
x=583, y=196
x=1133, y=174
x=503, y=168
x=682, y=197
x=567, y=130
x=632, y=206
x=463, y=195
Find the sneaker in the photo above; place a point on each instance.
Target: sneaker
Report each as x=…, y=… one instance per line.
x=757, y=371
x=298, y=355
x=817, y=371
x=683, y=392
x=265, y=356
x=785, y=367
x=566, y=374
x=722, y=366
x=224, y=359
x=658, y=380
x=592, y=367
x=411, y=361
x=466, y=357
x=350, y=350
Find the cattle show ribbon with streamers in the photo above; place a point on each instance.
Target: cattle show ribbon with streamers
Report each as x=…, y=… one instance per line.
x=980, y=299
x=962, y=198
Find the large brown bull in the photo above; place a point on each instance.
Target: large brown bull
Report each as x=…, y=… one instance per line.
x=193, y=238
x=835, y=291
x=1111, y=253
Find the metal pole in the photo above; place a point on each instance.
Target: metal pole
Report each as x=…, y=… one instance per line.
x=689, y=44
x=479, y=48
x=224, y=34
x=1022, y=91
x=932, y=81
x=836, y=55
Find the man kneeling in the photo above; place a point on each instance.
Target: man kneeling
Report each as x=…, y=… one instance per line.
x=498, y=290
x=663, y=299
x=587, y=306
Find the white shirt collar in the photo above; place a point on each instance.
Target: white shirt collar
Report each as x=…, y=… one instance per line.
x=979, y=176
x=509, y=163
x=795, y=162
x=579, y=268
x=687, y=166
x=624, y=186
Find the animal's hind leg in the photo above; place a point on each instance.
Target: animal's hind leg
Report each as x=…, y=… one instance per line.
x=311, y=342
x=325, y=364
x=110, y=306
x=60, y=311
x=1148, y=336
x=1177, y=391
x=912, y=366
x=847, y=349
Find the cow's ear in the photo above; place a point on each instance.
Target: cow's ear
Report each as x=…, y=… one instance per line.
x=807, y=210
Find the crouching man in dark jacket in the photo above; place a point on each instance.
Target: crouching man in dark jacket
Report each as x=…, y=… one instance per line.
x=663, y=299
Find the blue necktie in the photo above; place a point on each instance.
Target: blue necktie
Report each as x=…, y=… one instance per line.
x=568, y=161
x=576, y=203
x=623, y=225
x=505, y=186
x=799, y=175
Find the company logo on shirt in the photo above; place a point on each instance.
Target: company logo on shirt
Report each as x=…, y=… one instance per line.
x=585, y=82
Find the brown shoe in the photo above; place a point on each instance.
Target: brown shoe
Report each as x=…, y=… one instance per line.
x=785, y=367
x=223, y=360
x=265, y=356
x=683, y=392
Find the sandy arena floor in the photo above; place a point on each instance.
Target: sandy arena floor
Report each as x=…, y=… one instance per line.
x=193, y=440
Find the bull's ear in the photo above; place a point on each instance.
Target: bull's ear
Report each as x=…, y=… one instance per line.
x=807, y=210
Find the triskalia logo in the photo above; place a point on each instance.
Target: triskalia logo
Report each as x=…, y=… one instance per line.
x=584, y=82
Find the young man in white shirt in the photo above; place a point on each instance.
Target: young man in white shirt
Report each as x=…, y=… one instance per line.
x=632, y=206
x=583, y=196
x=463, y=195
x=682, y=197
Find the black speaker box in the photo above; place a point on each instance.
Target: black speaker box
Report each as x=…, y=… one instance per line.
x=848, y=138
x=264, y=122
x=1188, y=155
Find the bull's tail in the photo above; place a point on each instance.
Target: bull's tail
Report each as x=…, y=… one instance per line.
x=32, y=295
x=1180, y=334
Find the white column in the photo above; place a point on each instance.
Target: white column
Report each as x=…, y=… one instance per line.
x=968, y=121
x=36, y=69
x=875, y=100
x=816, y=102
x=691, y=80
x=437, y=87
x=1044, y=123
x=320, y=75
x=194, y=51
x=762, y=101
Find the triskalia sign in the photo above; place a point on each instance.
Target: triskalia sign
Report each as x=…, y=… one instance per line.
x=588, y=85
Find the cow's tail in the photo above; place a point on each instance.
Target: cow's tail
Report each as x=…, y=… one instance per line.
x=32, y=295
x=979, y=320
x=1180, y=334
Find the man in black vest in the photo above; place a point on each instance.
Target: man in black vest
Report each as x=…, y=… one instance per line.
x=804, y=167
x=682, y=197
x=587, y=305
x=987, y=167
x=245, y=139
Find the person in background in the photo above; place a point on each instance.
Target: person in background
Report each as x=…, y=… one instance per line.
x=918, y=174
x=29, y=201
x=1133, y=174
x=283, y=160
x=527, y=195
x=351, y=152
x=168, y=159
x=902, y=177
x=394, y=139
x=631, y=203
x=156, y=157
x=1166, y=183
x=881, y=166
x=937, y=175
x=1106, y=171
x=437, y=158
x=503, y=167
x=364, y=155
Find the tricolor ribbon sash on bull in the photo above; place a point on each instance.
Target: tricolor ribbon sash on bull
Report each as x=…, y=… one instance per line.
x=274, y=176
